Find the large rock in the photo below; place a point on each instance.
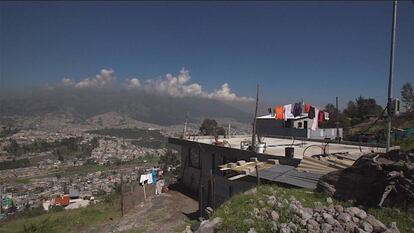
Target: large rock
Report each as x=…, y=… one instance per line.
x=209, y=226
x=377, y=225
x=344, y=217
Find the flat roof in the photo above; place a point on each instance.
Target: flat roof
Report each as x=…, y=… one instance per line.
x=302, y=147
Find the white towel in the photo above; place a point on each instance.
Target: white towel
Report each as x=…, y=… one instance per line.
x=288, y=112
x=143, y=178
x=150, y=180
x=326, y=116
x=315, y=120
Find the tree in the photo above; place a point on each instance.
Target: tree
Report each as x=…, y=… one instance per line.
x=333, y=115
x=407, y=96
x=210, y=127
x=170, y=158
x=361, y=109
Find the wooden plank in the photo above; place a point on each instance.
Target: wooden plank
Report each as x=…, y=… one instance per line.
x=237, y=177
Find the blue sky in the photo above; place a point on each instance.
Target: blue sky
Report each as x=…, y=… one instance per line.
x=310, y=50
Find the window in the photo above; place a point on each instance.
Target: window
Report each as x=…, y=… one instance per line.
x=299, y=124
x=194, y=156
x=305, y=124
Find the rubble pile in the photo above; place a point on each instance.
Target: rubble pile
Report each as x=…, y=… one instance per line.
x=377, y=179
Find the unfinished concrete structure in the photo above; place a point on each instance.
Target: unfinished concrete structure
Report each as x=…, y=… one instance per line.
x=202, y=174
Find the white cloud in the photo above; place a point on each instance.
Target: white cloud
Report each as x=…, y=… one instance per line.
x=104, y=79
x=132, y=83
x=68, y=82
x=225, y=94
x=175, y=86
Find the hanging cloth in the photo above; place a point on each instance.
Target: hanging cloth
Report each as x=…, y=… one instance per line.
x=279, y=113
x=297, y=109
x=307, y=108
x=143, y=178
x=321, y=116
x=150, y=178
x=315, y=119
x=288, y=112
x=326, y=116
x=154, y=175
x=311, y=113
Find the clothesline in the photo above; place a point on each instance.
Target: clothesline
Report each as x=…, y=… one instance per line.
x=286, y=112
x=153, y=177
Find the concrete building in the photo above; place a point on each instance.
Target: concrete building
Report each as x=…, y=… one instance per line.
x=299, y=127
x=201, y=160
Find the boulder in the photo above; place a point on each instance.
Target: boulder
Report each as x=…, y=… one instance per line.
x=377, y=225
x=209, y=225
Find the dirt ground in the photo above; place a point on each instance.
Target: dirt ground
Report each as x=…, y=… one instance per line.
x=168, y=212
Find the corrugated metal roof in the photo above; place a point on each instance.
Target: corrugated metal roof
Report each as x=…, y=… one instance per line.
x=289, y=175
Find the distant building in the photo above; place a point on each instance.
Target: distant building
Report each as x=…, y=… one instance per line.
x=61, y=200
x=298, y=127
x=73, y=193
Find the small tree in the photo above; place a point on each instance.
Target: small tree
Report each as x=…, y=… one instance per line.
x=210, y=127
x=407, y=96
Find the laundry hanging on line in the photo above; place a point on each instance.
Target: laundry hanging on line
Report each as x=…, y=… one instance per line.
x=321, y=116
x=288, y=112
x=279, y=113
x=326, y=116
x=315, y=119
x=297, y=109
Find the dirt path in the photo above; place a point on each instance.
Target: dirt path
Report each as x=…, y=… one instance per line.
x=165, y=213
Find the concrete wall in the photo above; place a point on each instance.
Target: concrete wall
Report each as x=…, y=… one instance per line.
x=323, y=133
x=300, y=124
x=207, y=181
x=269, y=127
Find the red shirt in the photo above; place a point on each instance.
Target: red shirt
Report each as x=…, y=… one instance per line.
x=321, y=116
x=307, y=107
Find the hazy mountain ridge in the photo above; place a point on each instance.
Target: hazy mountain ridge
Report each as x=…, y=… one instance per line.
x=146, y=107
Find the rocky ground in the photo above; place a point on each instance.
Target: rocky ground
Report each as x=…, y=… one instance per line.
x=325, y=219
x=274, y=212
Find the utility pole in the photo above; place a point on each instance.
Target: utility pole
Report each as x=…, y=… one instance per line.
x=254, y=122
x=391, y=73
x=337, y=120
x=228, y=132
x=1, y=200
x=122, y=182
x=185, y=126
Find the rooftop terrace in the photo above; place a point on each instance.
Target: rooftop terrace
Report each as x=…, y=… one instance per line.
x=276, y=146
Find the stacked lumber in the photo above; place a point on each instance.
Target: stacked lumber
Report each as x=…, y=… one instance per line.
x=244, y=168
x=324, y=165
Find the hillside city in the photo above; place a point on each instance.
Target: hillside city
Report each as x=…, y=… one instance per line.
x=207, y=116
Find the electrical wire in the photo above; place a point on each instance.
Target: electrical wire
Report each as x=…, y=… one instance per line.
x=375, y=122
x=369, y=127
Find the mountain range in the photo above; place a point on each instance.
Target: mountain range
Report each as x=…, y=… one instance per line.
x=143, y=106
